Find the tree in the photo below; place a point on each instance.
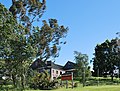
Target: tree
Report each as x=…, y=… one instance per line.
x=27, y=11
x=82, y=68
x=118, y=51
x=21, y=41
x=106, y=58
x=40, y=80
x=44, y=41
x=12, y=46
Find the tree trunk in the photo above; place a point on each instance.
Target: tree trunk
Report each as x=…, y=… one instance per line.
x=112, y=76
x=14, y=80
x=13, y=1
x=23, y=81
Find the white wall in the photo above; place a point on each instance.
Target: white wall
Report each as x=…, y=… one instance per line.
x=55, y=74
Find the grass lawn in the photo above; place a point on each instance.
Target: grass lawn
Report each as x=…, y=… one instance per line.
x=88, y=88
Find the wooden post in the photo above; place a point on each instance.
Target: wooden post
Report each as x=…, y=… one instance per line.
x=84, y=77
x=98, y=77
x=68, y=77
x=72, y=80
x=66, y=83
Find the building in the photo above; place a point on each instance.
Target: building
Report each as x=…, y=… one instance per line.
x=69, y=67
x=53, y=69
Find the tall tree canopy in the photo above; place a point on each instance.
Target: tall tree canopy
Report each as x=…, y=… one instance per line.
x=44, y=40
x=21, y=41
x=27, y=11
x=106, y=58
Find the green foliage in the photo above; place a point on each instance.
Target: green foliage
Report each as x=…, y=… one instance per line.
x=106, y=58
x=27, y=11
x=76, y=84
x=21, y=41
x=102, y=81
x=82, y=65
x=7, y=26
x=42, y=81
x=46, y=40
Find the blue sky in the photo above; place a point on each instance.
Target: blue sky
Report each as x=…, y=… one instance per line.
x=90, y=22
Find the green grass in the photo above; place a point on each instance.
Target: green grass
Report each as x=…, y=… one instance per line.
x=88, y=88
x=80, y=88
x=105, y=84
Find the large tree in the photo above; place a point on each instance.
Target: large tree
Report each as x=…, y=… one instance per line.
x=21, y=41
x=44, y=40
x=14, y=52
x=106, y=58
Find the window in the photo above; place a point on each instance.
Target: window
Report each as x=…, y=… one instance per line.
x=48, y=63
x=60, y=72
x=56, y=72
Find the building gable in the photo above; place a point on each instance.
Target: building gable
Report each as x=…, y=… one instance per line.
x=69, y=65
x=38, y=64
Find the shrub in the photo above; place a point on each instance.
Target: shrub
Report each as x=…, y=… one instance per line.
x=76, y=84
x=42, y=81
x=54, y=84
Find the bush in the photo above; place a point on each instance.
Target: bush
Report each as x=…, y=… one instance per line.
x=45, y=85
x=54, y=84
x=76, y=84
x=42, y=81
